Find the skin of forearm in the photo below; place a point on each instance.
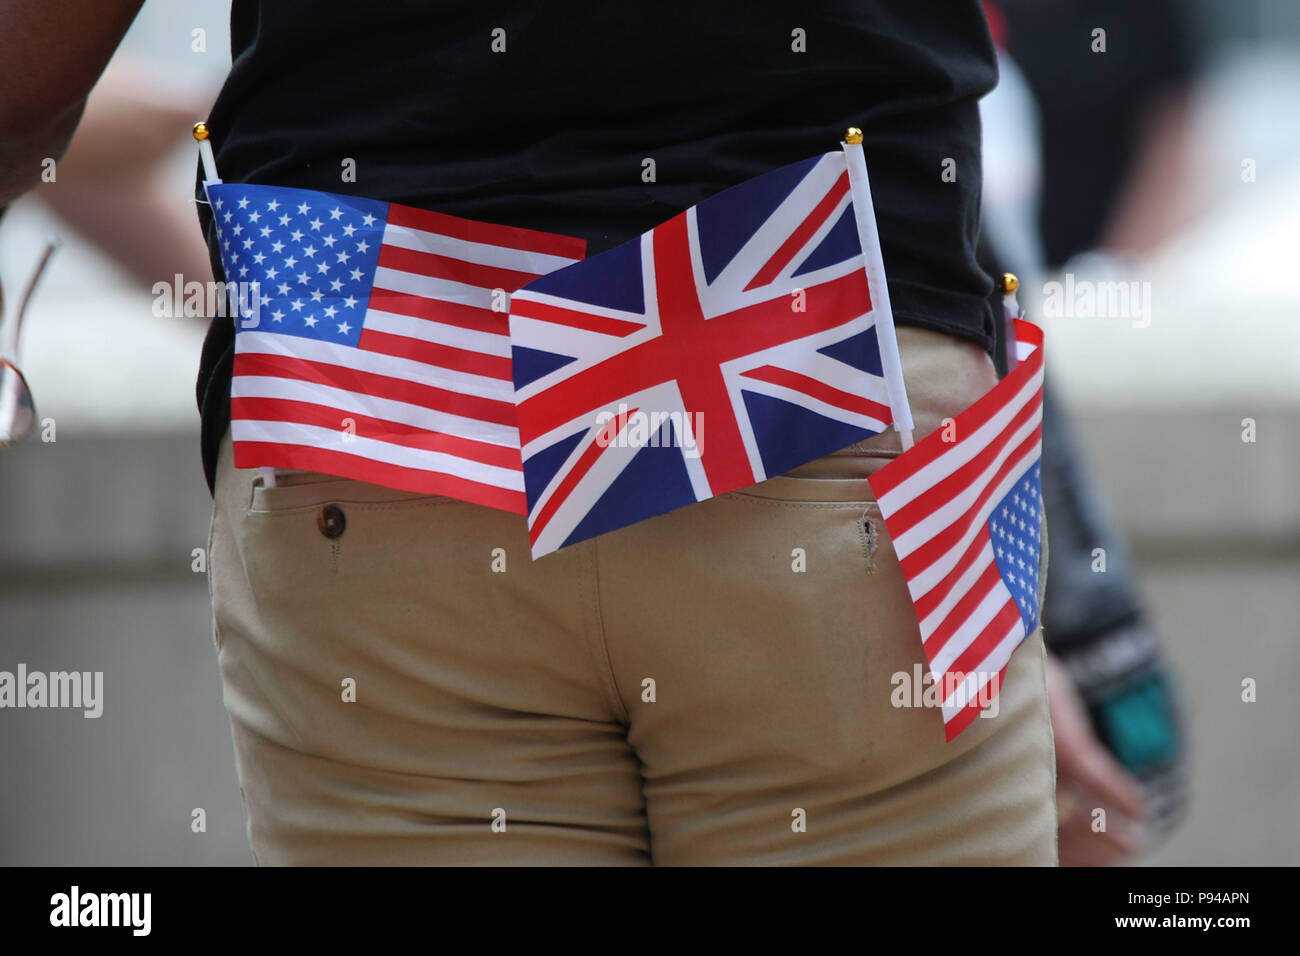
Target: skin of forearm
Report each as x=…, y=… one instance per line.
x=51, y=54
x=1153, y=201
x=23, y=153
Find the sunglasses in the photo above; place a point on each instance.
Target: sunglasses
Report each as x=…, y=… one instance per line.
x=17, y=410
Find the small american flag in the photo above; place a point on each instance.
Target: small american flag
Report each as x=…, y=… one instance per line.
x=381, y=348
x=964, y=516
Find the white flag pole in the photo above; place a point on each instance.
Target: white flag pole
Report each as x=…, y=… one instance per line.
x=869, y=238
x=1010, y=312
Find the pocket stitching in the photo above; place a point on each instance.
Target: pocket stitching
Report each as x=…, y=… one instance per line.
x=848, y=503
x=353, y=504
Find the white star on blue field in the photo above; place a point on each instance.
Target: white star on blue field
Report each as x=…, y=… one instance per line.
x=313, y=255
x=1014, y=529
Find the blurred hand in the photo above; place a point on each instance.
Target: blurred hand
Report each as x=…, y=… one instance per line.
x=1088, y=778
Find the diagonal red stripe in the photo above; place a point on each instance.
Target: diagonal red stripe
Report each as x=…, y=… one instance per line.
x=939, y=544
x=557, y=315
x=990, y=637
x=932, y=447
x=962, y=610
x=578, y=472
x=932, y=598
x=963, y=718
x=821, y=391
x=799, y=238
x=939, y=494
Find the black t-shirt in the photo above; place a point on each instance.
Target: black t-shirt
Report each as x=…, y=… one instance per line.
x=552, y=132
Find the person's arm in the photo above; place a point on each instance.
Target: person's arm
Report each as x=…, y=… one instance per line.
x=115, y=186
x=52, y=53
x=1155, y=199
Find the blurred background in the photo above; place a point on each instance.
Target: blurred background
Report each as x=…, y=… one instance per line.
x=1182, y=175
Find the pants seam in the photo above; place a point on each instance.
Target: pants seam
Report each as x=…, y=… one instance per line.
x=600, y=642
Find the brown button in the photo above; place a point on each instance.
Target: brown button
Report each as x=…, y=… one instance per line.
x=331, y=522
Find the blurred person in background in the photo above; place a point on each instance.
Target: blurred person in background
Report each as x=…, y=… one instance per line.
x=1115, y=123
x=1085, y=169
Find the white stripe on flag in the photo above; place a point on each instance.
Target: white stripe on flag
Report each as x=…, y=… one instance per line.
x=961, y=452
x=364, y=360
x=313, y=436
x=958, y=590
x=947, y=514
x=429, y=287
x=387, y=409
x=921, y=582
x=479, y=253
x=989, y=607
x=989, y=668
x=431, y=330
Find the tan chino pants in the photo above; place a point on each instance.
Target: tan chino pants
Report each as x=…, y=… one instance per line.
x=712, y=686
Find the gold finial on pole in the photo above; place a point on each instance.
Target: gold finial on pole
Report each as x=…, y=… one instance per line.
x=853, y=135
x=202, y=136
x=1009, y=284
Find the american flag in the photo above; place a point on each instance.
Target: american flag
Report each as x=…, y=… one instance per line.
x=733, y=342
x=380, y=350
x=964, y=516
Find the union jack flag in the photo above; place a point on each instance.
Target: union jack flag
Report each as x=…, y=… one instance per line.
x=374, y=344
x=734, y=342
x=965, y=518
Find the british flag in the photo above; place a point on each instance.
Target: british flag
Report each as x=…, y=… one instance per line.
x=964, y=510
x=734, y=342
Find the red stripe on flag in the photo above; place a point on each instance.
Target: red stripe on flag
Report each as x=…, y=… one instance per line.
x=990, y=637
x=510, y=237
x=455, y=270
x=379, y=429
x=939, y=545
x=962, y=610
x=932, y=598
x=530, y=309
x=799, y=238
x=457, y=314
x=932, y=447
x=950, y=486
x=963, y=718
x=251, y=454
x=378, y=386
x=434, y=353
x=820, y=391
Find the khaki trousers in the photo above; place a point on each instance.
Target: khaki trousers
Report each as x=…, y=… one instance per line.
x=713, y=686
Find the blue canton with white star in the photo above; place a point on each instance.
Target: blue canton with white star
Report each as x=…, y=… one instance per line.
x=313, y=254
x=1015, y=530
